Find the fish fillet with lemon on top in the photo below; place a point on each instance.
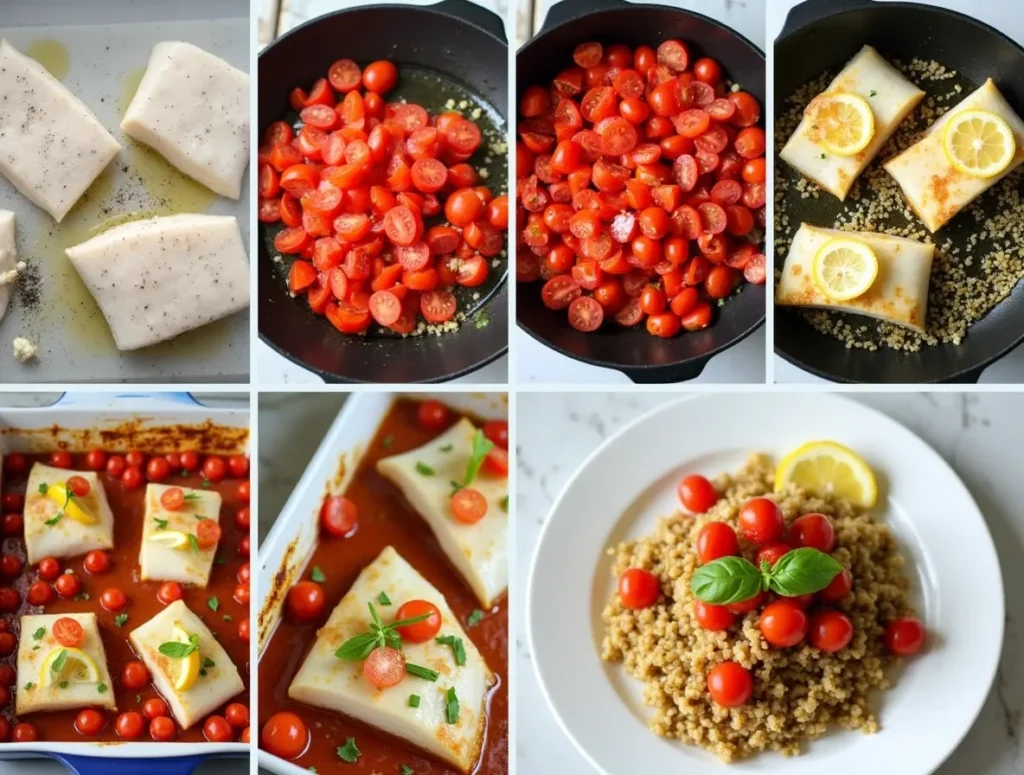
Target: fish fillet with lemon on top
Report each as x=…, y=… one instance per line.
x=864, y=273
x=61, y=524
x=845, y=126
x=972, y=147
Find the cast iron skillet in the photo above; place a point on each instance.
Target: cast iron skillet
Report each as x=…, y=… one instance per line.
x=822, y=35
x=634, y=352
x=463, y=44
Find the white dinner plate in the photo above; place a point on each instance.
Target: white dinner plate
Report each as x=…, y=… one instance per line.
x=630, y=481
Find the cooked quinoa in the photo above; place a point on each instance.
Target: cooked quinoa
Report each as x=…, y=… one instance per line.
x=798, y=691
x=979, y=256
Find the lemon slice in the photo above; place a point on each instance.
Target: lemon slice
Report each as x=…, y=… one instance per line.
x=172, y=539
x=76, y=667
x=844, y=268
x=828, y=468
x=189, y=666
x=73, y=509
x=843, y=123
x=978, y=143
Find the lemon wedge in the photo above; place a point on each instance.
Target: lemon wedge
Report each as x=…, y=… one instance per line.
x=843, y=123
x=68, y=664
x=172, y=539
x=979, y=143
x=828, y=468
x=71, y=507
x=188, y=666
x=844, y=268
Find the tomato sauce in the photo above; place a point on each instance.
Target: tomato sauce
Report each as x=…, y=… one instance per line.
x=385, y=518
x=127, y=506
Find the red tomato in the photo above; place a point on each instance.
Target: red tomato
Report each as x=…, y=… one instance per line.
x=113, y=599
x=713, y=617
x=24, y=733
x=208, y=533
x=39, y=593
x=169, y=592
x=238, y=465
x=783, y=623
x=771, y=553
x=216, y=729
x=135, y=676
x=730, y=684
x=748, y=605
x=162, y=729
x=433, y=415
x=639, y=588
x=89, y=722
x=10, y=565
x=78, y=486
x=153, y=708
x=468, y=505
x=8, y=643
x=49, y=568
x=190, y=461
x=129, y=725
x=761, y=521
x=243, y=518
x=237, y=715
x=97, y=562
x=68, y=632
x=830, y=631
x=68, y=585
x=306, y=601
x=214, y=469
x=422, y=631
x=60, y=459
x=15, y=463
x=697, y=494
x=380, y=77
x=172, y=498
x=496, y=462
x=497, y=431
x=813, y=530
x=838, y=588
x=158, y=469
x=905, y=636
x=132, y=478
x=385, y=667
x=716, y=539
x=285, y=735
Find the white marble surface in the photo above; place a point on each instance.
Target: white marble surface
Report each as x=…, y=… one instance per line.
x=1005, y=16
x=49, y=767
x=538, y=363
x=273, y=369
x=977, y=434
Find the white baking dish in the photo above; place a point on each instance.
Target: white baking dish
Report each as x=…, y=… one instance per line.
x=95, y=411
x=293, y=538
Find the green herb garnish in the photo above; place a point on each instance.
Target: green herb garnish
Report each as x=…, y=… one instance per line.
x=318, y=575
x=120, y=619
x=481, y=446
x=38, y=634
x=729, y=580
x=349, y=752
x=101, y=688
x=452, y=706
x=213, y=603
x=177, y=650
x=58, y=663
x=161, y=524
x=383, y=599
x=446, y=448
x=872, y=93
x=458, y=648
x=423, y=468
x=43, y=488
x=414, y=700
x=380, y=634
x=474, y=618
x=55, y=519
x=387, y=441
x=504, y=504
x=63, y=684
x=193, y=542
x=28, y=686
x=421, y=672
x=406, y=770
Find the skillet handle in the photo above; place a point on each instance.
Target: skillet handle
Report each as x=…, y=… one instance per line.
x=663, y=375
x=473, y=14
x=563, y=11
x=969, y=377
x=95, y=765
x=811, y=11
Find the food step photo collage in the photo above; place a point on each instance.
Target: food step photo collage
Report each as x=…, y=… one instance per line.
x=511, y=387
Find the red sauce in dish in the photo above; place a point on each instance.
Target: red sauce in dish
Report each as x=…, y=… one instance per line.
x=385, y=518
x=123, y=573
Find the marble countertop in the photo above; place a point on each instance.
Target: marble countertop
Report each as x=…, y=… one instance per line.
x=538, y=363
x=1005, y=16
x=279, y=16
x=979, y=435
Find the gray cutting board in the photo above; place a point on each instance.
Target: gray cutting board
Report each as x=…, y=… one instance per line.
x=106, y=46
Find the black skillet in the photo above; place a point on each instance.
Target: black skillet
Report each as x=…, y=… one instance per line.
x=464, y=46
x=634, y=352
x=821, y=35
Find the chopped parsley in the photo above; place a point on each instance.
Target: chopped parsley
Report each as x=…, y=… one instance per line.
x=63, y=684
x=383, y=599
x=55, y=519
x=423, y=468
x=192, y=496
x=446, y=448
x=475, y=617
x=318, y=575
x=161, y=524
x=451, y=706
x=43, y=488
x=213, y=603
x=387, y=441
x=414, y=700
x=28, y=686
x=504, y=504
x=349, y=752
x=38, y=634
x=120, y=619
x=421, y=672
x=458, y=648
x=456, y=486
x=406, y=770
x=872, y=93
x=102, y=688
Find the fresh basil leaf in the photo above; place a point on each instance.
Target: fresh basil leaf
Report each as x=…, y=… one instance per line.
x=213, y=603
x=803, y=571
x=178, y=650
x=38, y=634
x=358, y=647
x=726, y=580
x=58, y=663
x=481, y=446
